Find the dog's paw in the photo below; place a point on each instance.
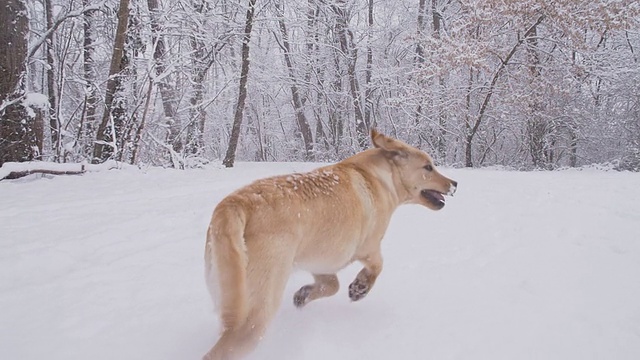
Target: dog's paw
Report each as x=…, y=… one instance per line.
x=301, y=297
x=358, y=289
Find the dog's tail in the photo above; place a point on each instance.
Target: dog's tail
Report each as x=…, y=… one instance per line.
x=226, y=264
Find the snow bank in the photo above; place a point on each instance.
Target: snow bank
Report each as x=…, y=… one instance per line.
x=537, y=265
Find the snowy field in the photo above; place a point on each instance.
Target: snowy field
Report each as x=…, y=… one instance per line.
x=537, y=265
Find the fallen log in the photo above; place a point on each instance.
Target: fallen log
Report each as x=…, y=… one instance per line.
x=13, y=170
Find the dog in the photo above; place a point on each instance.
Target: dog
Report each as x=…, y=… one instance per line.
x=320, y=222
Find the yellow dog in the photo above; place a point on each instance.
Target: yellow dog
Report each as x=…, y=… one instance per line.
x=320, y=221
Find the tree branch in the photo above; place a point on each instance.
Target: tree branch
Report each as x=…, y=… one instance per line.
x=496, y=76
x=61, y=19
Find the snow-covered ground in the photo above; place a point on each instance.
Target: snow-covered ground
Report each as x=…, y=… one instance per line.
x=538, y=265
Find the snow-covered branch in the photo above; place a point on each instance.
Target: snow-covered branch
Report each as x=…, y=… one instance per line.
x=59, y=21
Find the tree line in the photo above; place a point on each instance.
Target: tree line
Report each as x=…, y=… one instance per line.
x=524, y=84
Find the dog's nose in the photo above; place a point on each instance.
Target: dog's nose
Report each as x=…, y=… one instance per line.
x=453, y=187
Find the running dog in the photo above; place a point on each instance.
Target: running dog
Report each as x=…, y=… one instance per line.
x=320, y=222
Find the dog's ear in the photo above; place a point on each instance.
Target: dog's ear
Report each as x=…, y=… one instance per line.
x=391, y=146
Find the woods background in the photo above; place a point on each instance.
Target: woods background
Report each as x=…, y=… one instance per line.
x=525, y=84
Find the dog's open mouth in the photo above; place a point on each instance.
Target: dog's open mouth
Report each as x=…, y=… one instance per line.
x=434, y=197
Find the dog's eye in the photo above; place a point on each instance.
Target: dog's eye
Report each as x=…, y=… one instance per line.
x=428, y=167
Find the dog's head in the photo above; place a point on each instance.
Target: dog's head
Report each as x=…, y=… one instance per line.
x=417, y=176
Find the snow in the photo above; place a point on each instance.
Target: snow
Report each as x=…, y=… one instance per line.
x=35, y=100
x=538, y=265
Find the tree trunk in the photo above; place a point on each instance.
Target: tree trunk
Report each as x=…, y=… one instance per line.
x=201, y=61
x=19, y=138
x=54, y=121
x=537, y=128
x=314, y=76
x=350, y=53
x=301, y=118
x=106, y=136
x=167, y=90
x=88, y=121
x=138, y=135
x=195, y=141
x=422, y=5
x=230, y=157
x=441, y=145
x=336, y=109
x=125, y=117
x=418, y=61
x=368, y=90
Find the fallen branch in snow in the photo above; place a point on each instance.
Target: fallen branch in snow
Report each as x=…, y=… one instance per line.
x=19, y=174
x=13, y=170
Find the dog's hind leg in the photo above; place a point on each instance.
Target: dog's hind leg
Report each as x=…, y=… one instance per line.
x=324, y=285
x=236, y=343
x=365, y=279
x=266, y=280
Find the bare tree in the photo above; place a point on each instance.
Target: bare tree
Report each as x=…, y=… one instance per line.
x=472, y=128
x=368, y=91
x=537, y=129
x=88, y=120
x=20, y=130
x=350, y=54
x=472, y=81
x=301, y=118
x=54, y=121
x=106, y=136
x=163, y=80
x=441, y=146
x=230, y=156
x=203, y=56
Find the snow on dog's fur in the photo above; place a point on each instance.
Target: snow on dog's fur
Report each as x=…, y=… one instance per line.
x=320, y=222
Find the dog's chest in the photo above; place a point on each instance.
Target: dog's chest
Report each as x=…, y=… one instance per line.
x=326, y=258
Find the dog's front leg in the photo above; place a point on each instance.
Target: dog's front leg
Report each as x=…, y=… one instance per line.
x=365, y=279
x=325, y=285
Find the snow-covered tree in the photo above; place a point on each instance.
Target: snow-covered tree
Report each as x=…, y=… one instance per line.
x=527, y=84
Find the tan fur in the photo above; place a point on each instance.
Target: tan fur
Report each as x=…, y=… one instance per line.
x=320, y=222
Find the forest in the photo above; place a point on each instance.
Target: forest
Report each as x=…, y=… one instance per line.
x=529, y=84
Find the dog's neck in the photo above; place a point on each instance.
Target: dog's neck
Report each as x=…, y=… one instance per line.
x=385, y=172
